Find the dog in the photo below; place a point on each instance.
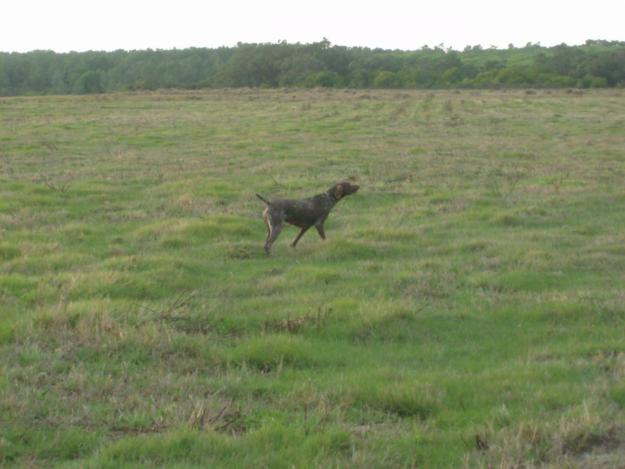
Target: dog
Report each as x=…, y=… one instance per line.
x=302, y=213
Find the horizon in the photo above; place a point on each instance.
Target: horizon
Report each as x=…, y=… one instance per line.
x=441, y=46
x=68, y=26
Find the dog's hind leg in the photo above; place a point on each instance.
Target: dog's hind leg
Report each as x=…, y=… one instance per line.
x=267, y=225
x=274, y=227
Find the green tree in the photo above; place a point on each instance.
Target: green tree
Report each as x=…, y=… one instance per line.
x=89, y=82
x=594, y=64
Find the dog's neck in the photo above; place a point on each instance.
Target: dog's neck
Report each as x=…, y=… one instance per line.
x=332, y=196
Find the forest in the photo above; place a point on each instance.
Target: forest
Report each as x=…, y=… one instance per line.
x=595, y=64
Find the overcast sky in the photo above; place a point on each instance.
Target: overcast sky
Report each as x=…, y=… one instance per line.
x=65, y=25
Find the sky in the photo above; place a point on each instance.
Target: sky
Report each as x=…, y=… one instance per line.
x=72, y=25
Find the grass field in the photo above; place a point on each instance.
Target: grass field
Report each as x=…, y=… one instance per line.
x=466, y=310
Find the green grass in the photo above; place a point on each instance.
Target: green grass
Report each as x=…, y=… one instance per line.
x=466, y=310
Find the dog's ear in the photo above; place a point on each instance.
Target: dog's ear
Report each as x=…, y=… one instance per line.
x=338, y=193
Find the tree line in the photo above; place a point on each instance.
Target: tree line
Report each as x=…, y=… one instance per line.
x=321, y=64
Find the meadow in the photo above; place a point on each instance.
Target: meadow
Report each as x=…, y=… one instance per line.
x=466, y=310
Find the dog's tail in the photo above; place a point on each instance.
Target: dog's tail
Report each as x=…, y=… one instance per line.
x=263, y=199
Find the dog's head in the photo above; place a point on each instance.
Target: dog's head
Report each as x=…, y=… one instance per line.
x=343, y=189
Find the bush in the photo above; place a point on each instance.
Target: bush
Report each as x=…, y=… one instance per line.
x=385, y=79
x=324, y=79
x=590, y=81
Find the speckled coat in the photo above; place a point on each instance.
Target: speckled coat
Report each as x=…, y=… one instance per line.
x=303, y=213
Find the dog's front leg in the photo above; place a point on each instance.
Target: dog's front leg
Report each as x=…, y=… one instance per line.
x=320, y=230
x=301, y=233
